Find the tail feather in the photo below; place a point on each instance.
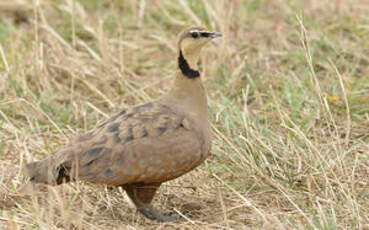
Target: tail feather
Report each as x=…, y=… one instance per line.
x=47, y=172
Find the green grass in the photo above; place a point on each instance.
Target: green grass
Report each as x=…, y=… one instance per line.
x=288, y=95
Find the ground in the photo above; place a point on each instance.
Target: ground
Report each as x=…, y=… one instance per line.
x=288, y=89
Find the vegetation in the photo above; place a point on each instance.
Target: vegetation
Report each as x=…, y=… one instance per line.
x=288, y=88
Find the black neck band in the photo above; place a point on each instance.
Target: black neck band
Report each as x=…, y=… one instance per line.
x=185, y=68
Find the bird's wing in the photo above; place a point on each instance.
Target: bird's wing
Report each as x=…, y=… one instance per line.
x=147, y=143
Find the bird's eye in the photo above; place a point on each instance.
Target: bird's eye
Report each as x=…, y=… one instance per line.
x=195, y=35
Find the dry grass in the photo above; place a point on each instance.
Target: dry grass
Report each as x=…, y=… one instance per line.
x=288, y=88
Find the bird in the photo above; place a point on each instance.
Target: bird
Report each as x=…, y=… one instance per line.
x=146, y=145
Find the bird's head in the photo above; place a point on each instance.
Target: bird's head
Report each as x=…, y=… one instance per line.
x=190, y=42
x=192, y=39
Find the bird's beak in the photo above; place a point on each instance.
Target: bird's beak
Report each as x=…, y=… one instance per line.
x=215, y=34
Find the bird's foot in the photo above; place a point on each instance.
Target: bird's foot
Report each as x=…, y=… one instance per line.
x=152, y=214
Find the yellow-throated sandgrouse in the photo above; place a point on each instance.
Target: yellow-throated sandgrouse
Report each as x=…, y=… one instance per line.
x=144, y=146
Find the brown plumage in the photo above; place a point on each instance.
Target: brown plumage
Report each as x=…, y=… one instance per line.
x=144, y=146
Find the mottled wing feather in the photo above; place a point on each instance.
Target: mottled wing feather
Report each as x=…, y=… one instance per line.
x=156, y=159
x=150, y=145
x=147, y=143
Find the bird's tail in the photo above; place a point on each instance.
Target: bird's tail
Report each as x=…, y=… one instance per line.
x=48, y=172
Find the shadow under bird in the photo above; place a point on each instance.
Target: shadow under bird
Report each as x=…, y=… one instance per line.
x=146, y=145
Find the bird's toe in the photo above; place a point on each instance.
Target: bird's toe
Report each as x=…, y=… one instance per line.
x=153, y=214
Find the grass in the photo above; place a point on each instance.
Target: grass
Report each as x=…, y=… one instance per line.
x=288, y=88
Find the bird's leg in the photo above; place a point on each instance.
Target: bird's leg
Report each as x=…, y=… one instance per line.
x=142, y=195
